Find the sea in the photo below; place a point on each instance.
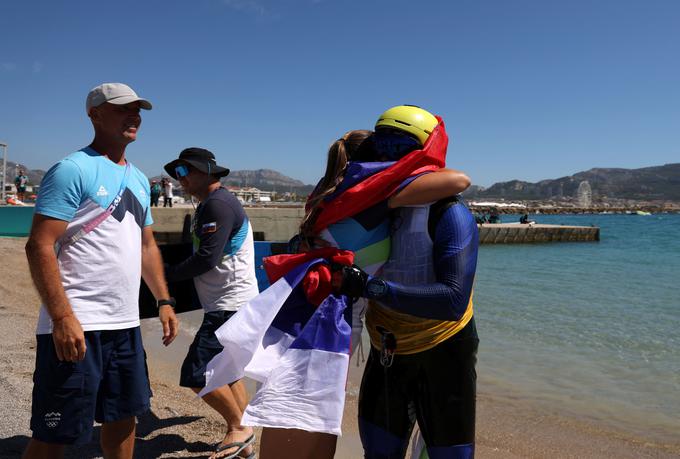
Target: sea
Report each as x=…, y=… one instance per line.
x=583, y=329
x=588, y=329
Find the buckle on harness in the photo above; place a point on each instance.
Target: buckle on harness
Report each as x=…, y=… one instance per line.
x=388, y=346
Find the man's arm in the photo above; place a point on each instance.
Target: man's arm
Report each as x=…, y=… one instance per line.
x=214, y=229
x=67, y=333
x=455, y=262
x=152, y=273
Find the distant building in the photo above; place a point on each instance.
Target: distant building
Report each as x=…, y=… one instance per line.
x=251, y=194
x=584, y=194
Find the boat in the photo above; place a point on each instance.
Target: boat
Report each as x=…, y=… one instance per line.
x=642, y=212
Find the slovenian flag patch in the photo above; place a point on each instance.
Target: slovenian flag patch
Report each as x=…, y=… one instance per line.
x=209, y=228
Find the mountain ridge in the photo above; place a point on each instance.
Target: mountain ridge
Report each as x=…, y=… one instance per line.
x=641, y=184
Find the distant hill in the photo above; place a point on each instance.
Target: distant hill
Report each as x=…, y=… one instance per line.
x=645, y=184
x=34, y=175
x=264, y=179
x=267, y=180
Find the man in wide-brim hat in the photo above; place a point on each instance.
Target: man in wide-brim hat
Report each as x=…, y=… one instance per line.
x=223, y=269
x=198, y=158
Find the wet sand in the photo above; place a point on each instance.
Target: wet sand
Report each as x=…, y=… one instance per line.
x=179, y=425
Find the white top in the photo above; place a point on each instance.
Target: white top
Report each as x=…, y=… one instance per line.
x=168, y=189
x=101, y=271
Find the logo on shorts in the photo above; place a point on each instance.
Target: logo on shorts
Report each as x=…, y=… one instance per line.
x=52, y=420
x=102, y=191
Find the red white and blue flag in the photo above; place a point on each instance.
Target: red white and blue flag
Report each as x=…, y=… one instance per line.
x=294, y=337
x=298, y=352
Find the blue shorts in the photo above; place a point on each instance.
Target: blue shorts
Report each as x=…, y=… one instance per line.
x=203, y=349
x=110, y=384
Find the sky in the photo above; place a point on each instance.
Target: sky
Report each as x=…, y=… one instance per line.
x=529, y=89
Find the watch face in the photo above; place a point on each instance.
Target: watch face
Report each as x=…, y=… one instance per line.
x=376, y=287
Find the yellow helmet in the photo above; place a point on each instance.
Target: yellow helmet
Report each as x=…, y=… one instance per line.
x=414, y=120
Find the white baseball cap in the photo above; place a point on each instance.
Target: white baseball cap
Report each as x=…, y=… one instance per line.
x=114, y=93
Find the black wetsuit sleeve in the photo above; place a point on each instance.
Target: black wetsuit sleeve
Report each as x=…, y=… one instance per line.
x=214, y=228
x=455, y=262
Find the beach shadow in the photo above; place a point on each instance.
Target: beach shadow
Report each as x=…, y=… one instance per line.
x=13, y=447
x=148, y=423
x=170, y=443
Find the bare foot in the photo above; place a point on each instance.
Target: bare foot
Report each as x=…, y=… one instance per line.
x=236, y=443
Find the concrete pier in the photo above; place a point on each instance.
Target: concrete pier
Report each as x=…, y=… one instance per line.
x=281, y=223
x=500, y=233
x=269, y=223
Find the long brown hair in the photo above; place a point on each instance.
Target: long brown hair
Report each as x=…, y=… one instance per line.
x=347, y=148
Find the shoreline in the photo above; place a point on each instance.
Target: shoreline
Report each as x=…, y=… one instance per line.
x=179, y=425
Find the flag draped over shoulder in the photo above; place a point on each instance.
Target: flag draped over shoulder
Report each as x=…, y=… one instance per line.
x=297, y=351
x=368, y=191
x=294, y=337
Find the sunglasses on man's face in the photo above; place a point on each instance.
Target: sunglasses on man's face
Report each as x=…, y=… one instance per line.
x=181, y=171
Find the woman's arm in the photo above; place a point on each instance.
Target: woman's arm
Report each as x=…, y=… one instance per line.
x=430, y=187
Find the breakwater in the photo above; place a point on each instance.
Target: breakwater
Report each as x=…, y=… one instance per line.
x=269, y=223
x=281, y=223
x=522, y=234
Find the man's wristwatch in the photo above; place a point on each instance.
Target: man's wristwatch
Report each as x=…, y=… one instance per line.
x=376, y=288
x=169, y=301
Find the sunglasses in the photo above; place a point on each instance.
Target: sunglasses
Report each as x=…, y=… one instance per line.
x=393, y=144
x=181, y=171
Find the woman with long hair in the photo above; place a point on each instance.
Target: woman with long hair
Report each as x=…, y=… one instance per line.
x=367, y=233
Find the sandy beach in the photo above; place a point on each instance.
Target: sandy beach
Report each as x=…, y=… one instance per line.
x=179, y=425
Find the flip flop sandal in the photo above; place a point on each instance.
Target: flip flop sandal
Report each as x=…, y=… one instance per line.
x=240, y=445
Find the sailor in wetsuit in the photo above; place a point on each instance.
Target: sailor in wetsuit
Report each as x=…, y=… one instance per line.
x=420, y=320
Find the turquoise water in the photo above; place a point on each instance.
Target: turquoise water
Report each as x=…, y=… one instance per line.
x=589, y=329
x=585, y=329
x=15, y=221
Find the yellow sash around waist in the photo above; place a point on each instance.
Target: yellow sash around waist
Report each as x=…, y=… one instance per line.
x=413, y=334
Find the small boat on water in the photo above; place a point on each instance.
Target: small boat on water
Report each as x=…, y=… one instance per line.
x=642, y=212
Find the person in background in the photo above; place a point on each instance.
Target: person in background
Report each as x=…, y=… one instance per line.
x=155, y=193
x=223, y=269
x=420, y=320
x=494, y=216
x=20, y=182
x=90, y=361
x=167, y=192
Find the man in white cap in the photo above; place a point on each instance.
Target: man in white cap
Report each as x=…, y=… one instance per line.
x=93, y=208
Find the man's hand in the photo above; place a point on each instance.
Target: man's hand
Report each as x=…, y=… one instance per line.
x=170, y=323
x=348, y=280
x=69, y=339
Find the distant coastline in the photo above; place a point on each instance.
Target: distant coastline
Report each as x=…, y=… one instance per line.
x=616, y=190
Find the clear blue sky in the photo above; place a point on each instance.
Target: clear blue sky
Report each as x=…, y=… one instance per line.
x=529, y=89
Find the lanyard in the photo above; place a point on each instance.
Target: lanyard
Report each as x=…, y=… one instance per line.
x=92, y=224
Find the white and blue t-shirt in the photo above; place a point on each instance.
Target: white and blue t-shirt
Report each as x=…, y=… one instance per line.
x=223, y=263
x=101, y=271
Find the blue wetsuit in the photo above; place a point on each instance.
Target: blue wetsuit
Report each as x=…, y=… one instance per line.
x=424, y=340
